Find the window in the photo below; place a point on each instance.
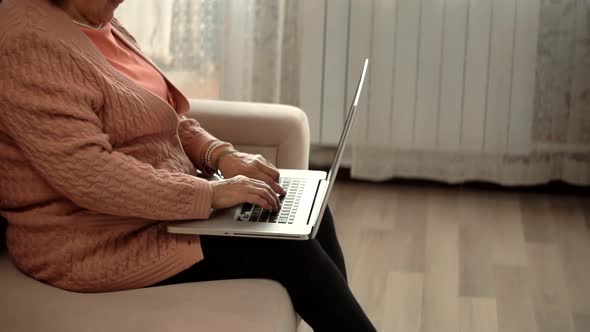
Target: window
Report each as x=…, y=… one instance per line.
x=183, y=37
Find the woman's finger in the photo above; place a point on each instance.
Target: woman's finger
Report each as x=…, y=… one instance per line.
x=264, y=191
x=275, y=186
x=267, y=197
x=255, y=199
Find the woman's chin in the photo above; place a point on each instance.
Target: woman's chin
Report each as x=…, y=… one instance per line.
x=107, y=18
x=116, y=3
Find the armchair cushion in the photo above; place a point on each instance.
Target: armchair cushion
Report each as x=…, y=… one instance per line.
x=230, y=305
x=256, y=126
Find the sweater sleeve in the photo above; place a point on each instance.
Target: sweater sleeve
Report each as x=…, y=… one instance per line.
x=46, y=109
x=194, y=140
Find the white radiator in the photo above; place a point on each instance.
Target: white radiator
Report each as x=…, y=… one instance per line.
x=446, y=75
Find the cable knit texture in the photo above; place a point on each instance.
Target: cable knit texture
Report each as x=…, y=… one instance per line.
x=92, y=165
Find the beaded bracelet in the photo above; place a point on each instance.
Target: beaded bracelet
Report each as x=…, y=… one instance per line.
x=204, y=153
x=208, y=153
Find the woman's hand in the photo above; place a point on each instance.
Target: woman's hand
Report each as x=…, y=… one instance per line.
x=252, y=166
x=241, y=189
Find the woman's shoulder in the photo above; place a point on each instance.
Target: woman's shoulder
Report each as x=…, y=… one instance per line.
x=25, y=43
x=31, y=23
x=27, y=48
x=14, y=22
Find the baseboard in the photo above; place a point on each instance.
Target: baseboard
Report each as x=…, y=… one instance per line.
x=553, y=187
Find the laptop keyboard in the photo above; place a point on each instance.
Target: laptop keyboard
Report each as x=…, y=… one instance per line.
x=289, y=203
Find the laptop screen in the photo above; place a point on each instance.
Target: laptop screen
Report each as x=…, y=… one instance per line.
x=341, y=145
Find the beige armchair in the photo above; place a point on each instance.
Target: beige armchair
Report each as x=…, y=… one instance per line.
x=281, y=134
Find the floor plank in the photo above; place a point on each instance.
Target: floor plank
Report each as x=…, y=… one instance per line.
x=409, y=236
x=475, y=246
x=575, y=250
x=441, y=288
x=549, y=292
x=478, y=315
x=582, y=322
x=515, y=308
x=369, y=272
x=537, y=219
x=403, y=302
x=585, y=205
x=509, y=243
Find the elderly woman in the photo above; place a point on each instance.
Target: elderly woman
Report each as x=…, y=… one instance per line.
x=96, y=155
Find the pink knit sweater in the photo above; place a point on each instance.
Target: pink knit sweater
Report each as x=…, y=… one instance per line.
x=92, y=165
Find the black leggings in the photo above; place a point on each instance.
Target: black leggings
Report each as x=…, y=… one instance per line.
x=313, y=272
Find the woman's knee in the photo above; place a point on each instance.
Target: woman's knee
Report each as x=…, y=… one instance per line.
x=307, y=259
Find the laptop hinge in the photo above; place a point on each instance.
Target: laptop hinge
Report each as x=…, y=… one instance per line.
x=315, y=201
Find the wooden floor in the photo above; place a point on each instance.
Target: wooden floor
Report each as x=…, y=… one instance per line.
x=435, y=259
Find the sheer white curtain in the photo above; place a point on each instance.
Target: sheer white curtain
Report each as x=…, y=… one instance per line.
x=228, y=49
x=475, y=90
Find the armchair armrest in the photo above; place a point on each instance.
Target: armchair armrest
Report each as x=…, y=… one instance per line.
x=278, y=132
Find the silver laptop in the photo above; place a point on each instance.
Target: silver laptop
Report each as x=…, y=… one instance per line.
x=302, y=208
